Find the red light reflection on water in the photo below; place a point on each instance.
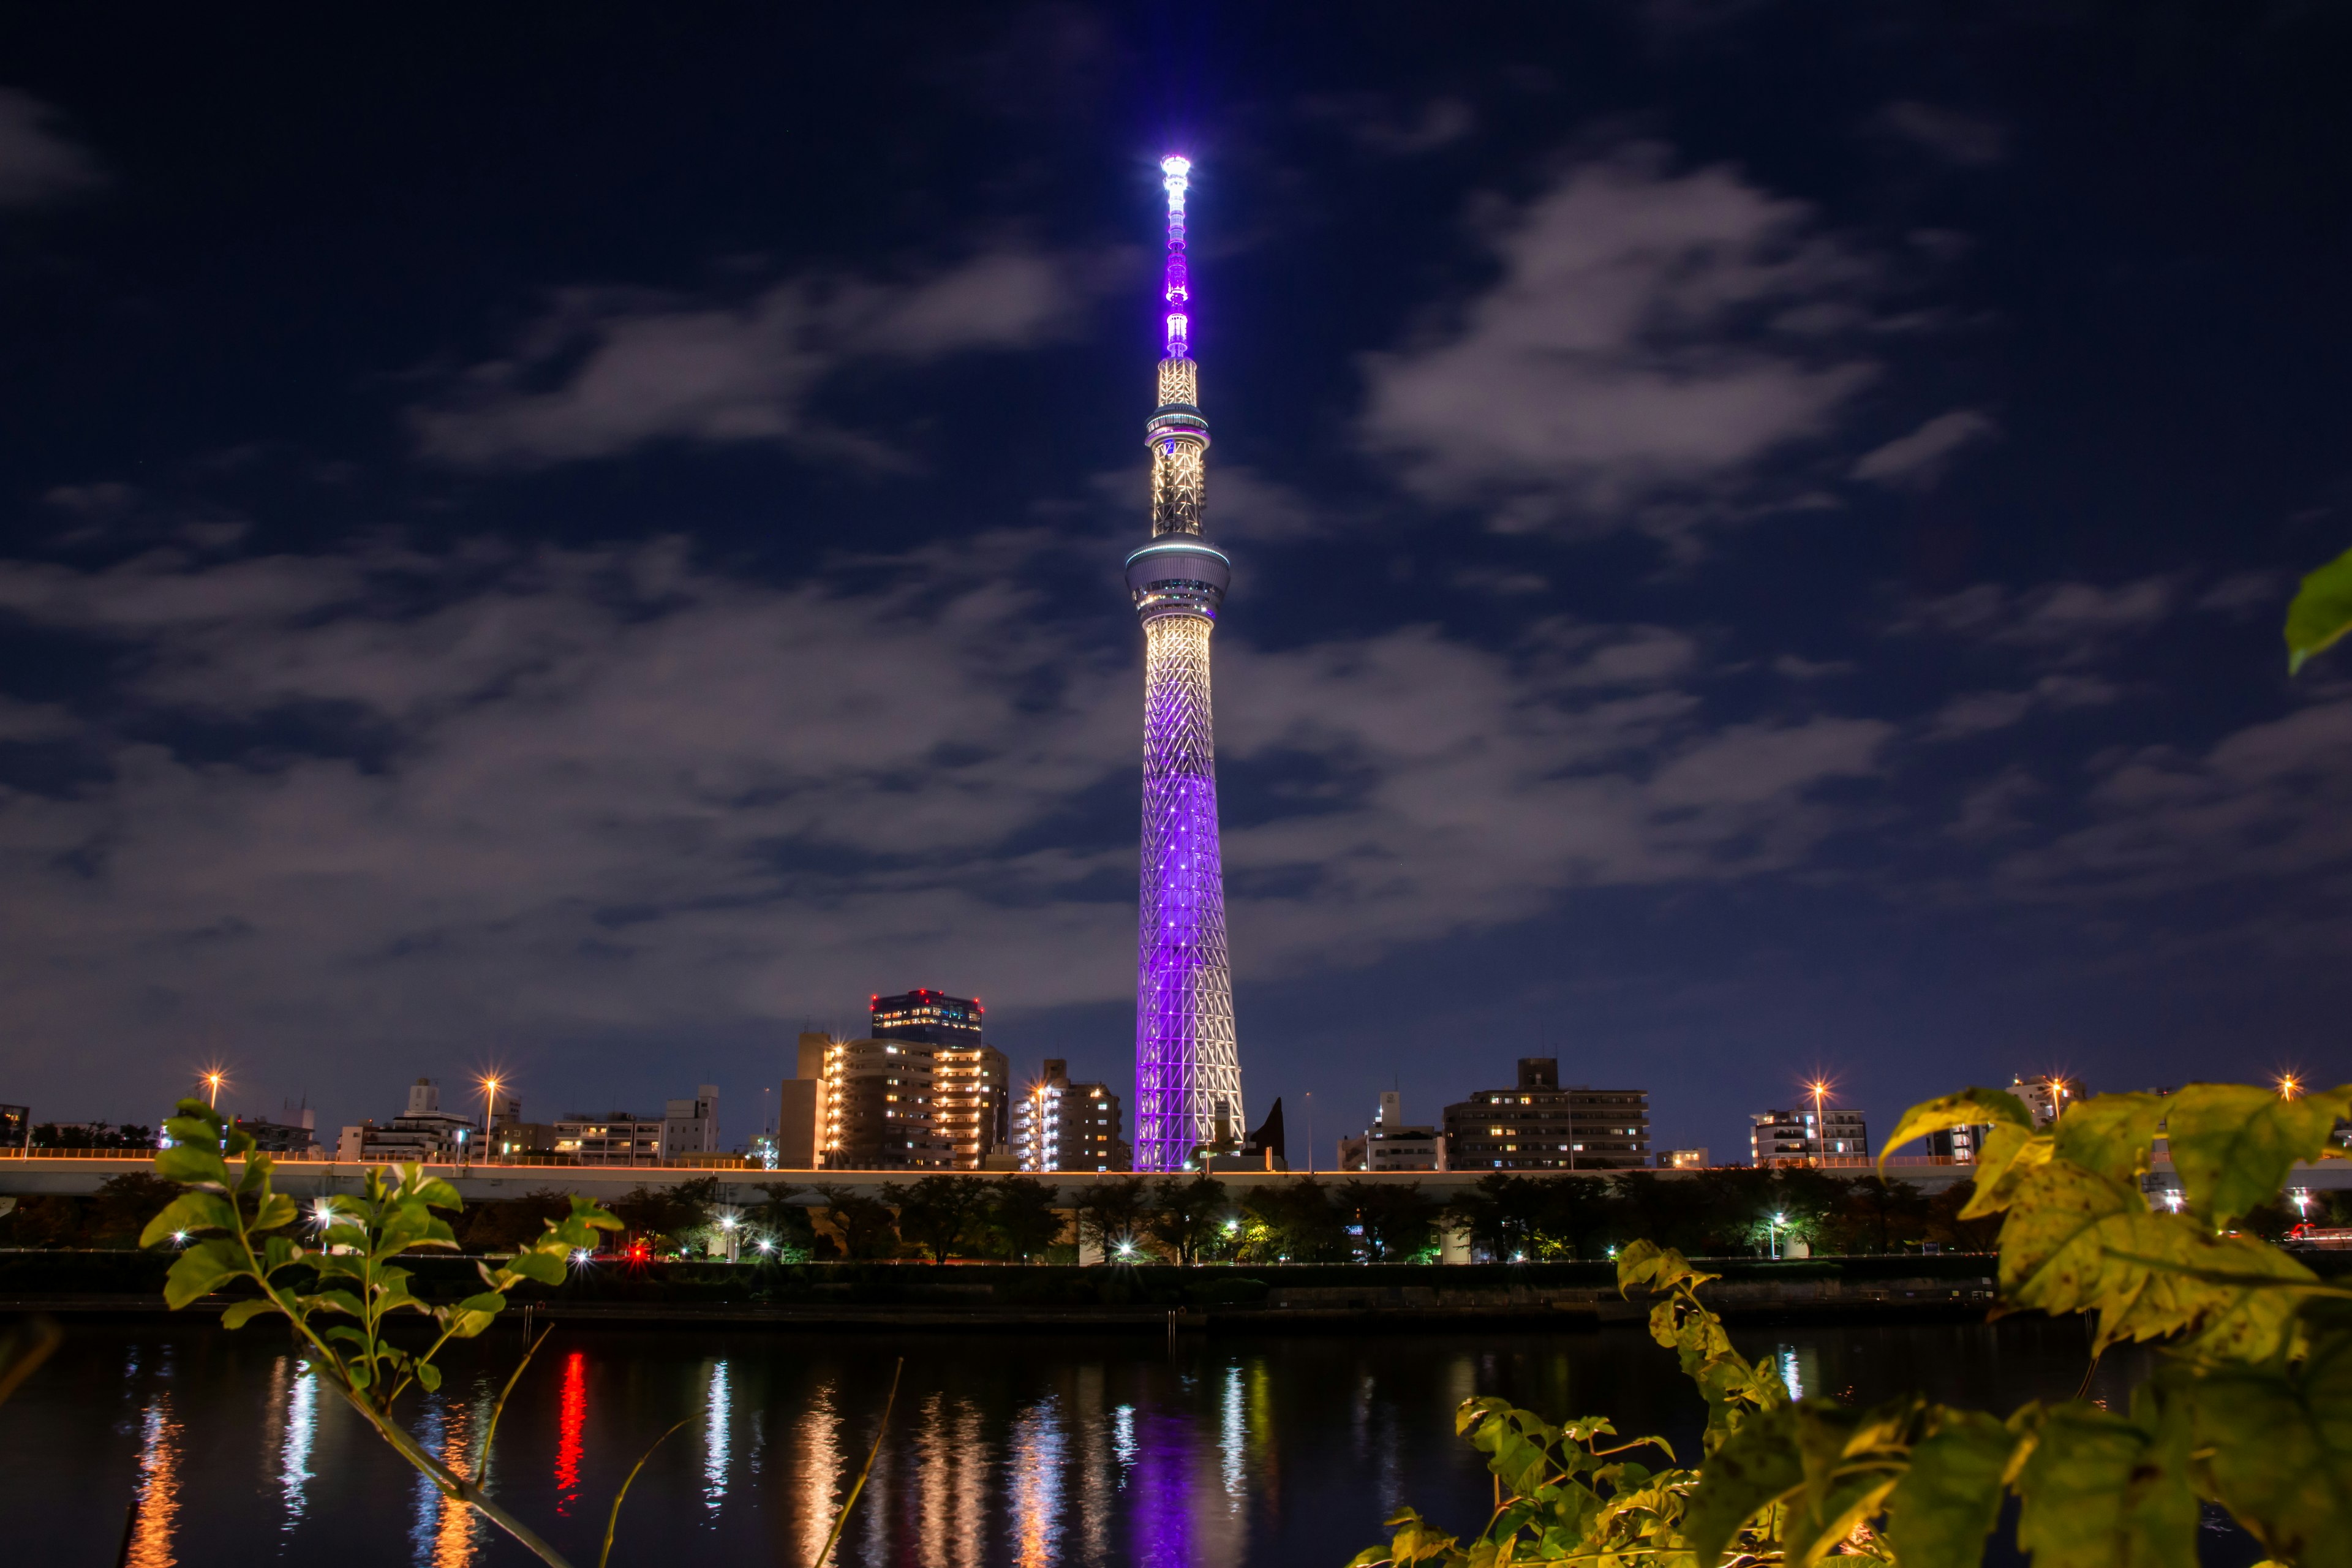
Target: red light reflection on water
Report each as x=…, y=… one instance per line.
x=571, y=1423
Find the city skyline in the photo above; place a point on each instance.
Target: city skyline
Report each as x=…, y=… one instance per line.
x=1762, y=540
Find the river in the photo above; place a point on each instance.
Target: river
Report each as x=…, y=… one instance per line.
x=1002, y=1449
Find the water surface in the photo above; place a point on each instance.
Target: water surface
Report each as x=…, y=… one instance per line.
x=1003, y=1449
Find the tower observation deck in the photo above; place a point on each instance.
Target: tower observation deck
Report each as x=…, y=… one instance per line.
x=1188, y=1072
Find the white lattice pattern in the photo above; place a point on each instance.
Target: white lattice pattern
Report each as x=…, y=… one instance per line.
x=1179, y=482
x=1186, y=1068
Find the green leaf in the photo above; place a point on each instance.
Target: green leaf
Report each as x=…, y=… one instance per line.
x=1970, y=1108
x=276, y=1212
x=1756, y=1464
x=199, y=1269
x=429, y=1375
x=438, y=1193
x=2321, y=612
x=277, y=1252
x=545, y=1267
x=1950, y=1499
x=487, y=1301
x=334, y=1301
x=189, y=1211
x=2233, y=1143
x=255, y=1177
x=2100, y=1491
x=244, y=1312
x=2275, y=1448
x=2110, y=1133
x=192, y=1165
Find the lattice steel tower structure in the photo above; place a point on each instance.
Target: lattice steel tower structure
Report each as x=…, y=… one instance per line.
x=1188, y=1075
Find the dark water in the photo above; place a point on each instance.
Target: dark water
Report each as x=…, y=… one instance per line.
x=1003, y=1449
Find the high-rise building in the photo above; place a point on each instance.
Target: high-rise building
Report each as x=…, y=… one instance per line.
x=933, y=1017
x=1065, y=1126
x=972, y=1103
x=1187, y=1069
x=1537, y=1125
x=880, y=1111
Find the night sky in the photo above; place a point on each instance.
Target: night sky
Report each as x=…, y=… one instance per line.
x=586, y=538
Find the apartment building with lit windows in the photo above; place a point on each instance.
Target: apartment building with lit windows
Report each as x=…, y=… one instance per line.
x=1805, y=1137
x=880, y=1108
x=1065, y=1126
x=1539, y=1125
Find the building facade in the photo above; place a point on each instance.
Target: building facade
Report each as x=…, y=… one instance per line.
x=1538, y=1125
x=1805, y=1137
x=617, y=1138
x=423, y=1134
x=2047, y=1095
x=971, y=1105
x=880, y=1111
x=1187, y=1064
x=691, y=1126
x=1065, y=1126
x=1391, y=1144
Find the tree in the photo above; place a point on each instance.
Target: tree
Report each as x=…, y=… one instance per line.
x=869, y=1228
x=658, y=1214
x=1185, y=1216
x=512, y=1224
x=1398, y=1221
x=1875, y=1214
x=1022, y=1220
x=784, y=1225
x=1501, y=1214
x=941, y=1214
x=1574, y=1216
x=1292, y=1221
x=1111, y=1216
x=124, y=1204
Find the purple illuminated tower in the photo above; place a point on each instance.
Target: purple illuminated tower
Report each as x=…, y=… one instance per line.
x=1188, y=1075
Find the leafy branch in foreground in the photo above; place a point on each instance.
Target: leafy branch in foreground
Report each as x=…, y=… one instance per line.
x=2250, y=1407
x=2321, y=613
x=340, y=1295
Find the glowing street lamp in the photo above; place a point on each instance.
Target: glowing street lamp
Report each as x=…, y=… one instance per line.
x=1818, y=1089
x=213, y=1080
x=2289, y=1085
x=491, y=1084
x=1778, y=1221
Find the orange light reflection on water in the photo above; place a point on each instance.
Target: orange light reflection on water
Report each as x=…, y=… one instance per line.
x=159, y=1491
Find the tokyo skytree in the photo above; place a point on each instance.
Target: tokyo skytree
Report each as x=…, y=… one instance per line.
x=1188, y=1075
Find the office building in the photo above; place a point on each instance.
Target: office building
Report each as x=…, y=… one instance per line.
x=1065, y=1126
x=1808, y=1137
x=1538, y=1125
x=933, y=1017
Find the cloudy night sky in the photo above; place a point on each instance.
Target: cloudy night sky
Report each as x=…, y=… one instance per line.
x=587, y=538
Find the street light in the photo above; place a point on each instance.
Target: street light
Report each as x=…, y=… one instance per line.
x=214, y=1079
x=1819, y=1088
x=490, y=1087
x=2289, y=1085
x=1778, y=1221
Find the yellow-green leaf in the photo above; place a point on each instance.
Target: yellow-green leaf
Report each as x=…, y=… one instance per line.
x=1950, y=1498
x=2110, y=1133
x=2321, y=612
x=2275, y=1445
x=1970, y=1108
x=1756, y=1464
x=429, y=1375
x=2009, y=1155
x=2233, y=1143
x=189, y=1211
x=275, y=1212
x=2101, y=1491
x=545, y=1267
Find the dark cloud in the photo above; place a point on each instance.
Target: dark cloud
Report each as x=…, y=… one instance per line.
x=1654, y=336
x=1968, y=140
x=605, y=371
x=1917, y=460
x=39, y=163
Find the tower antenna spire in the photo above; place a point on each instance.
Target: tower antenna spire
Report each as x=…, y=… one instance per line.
x=1186, y=1068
